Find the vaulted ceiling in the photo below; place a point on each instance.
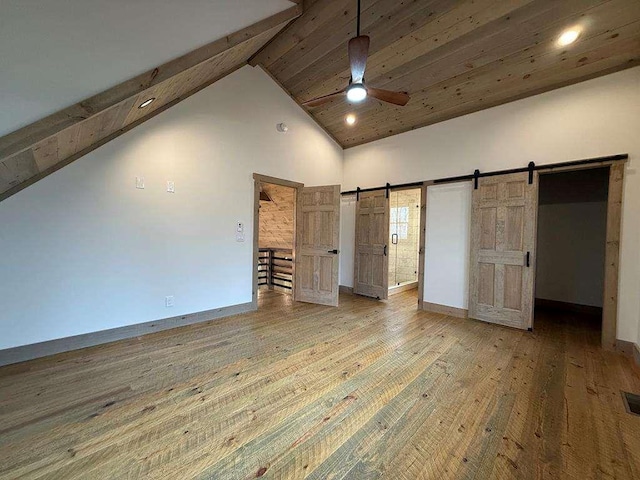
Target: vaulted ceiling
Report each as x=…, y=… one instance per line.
x=453, y=57
x=46, y=145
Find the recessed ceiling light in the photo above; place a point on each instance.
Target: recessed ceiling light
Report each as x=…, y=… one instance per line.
x=146, y=102
x=356, y=92
x=568, y=37
x=350, y=119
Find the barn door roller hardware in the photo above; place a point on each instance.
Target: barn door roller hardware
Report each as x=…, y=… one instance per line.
x=530, y=168
x=388, y=187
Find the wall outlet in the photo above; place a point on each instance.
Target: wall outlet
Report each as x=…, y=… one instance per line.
x=171, y=186
x=169, y=301
x=140, y=182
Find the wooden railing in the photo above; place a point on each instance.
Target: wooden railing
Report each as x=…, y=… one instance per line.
x=275, y=269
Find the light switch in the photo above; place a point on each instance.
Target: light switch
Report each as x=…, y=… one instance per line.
x=171, y=186
x=140, y=182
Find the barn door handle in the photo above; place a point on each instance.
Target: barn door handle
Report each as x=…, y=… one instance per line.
x=385, y=250
x=336, y=251
x=528, y=259
x=394, y=238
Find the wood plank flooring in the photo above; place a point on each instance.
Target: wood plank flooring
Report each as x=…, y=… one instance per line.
x=367, y=390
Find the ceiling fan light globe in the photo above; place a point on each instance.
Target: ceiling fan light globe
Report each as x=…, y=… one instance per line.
x=356, y=93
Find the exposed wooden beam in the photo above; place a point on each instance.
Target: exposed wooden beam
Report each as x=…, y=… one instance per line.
x=42, y=147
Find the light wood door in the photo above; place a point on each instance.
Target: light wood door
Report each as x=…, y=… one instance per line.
x=503, y=236
x=317, y=242
x=371, y=265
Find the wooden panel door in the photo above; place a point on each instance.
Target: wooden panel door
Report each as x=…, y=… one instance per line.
x=503, y=237
x=317, y=242
x=371, y=262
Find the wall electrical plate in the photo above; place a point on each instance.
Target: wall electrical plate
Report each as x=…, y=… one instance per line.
x=171, y=186
x=140, y=182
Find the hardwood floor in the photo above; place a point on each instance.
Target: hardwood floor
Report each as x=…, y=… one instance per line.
x=367, y=390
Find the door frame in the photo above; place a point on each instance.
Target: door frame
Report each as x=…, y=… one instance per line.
x=612, y=244
x=258, y=180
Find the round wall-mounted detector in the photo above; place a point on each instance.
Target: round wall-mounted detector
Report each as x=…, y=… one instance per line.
x=282, y=128
x=147, y=102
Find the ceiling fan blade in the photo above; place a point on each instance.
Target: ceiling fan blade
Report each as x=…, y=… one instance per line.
x=358, y=53
x=322, y=100
x=397, y=98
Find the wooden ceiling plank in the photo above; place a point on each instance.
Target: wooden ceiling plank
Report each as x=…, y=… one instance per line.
x=479, y=43
x=483, y=104
x=38, y=131
x=449, y=27
x=332, y=72
x=452, y=94
x=316, y=47
x=523, y=62
x=400, y=45
x=319, y=15
x=554, y=77
x=486, y=45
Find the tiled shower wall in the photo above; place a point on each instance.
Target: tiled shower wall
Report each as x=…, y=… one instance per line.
x=405, y=222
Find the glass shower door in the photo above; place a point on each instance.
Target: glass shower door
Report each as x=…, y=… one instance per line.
x=404, y=236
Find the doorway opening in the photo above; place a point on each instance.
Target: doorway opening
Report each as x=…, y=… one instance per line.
x=404, y=240
x=571, y=248
x=274, y=239
x=276, y=232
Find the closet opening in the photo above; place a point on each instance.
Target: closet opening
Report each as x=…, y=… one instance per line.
x=571, y=248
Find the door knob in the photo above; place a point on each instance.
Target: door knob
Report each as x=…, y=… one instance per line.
x=336, y=251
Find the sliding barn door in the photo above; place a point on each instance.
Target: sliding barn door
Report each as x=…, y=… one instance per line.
x=503, y=237
x=371, y=269
x=317, y=237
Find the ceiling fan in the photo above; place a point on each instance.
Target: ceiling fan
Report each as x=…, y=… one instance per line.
x=357, y=91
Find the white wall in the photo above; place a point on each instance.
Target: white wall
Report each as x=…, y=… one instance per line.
x=347, y=239
x=63, y=51
x=447, y=242
x=84, y=250
x=590, y=119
